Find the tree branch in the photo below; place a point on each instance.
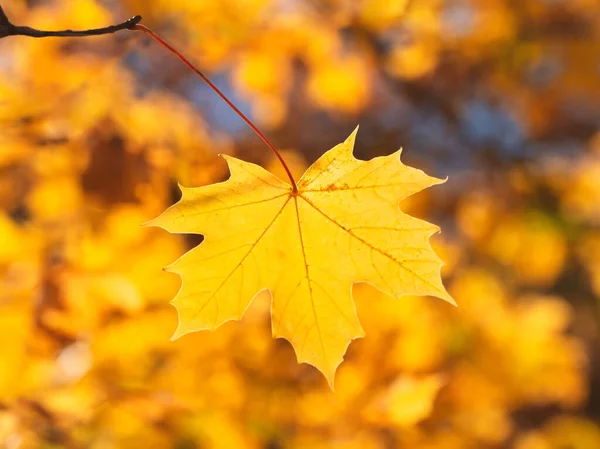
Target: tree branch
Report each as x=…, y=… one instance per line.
x=8, y=29
x=3, y=19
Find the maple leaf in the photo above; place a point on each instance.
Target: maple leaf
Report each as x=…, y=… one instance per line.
x=309, y=247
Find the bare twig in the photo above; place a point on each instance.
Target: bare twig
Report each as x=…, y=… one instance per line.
x=7, y=28
x=3, y=19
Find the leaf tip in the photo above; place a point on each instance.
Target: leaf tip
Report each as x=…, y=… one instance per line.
x=179, y=332
x=449, y=299
x=352, y=137
x=396, y=156
x=154, y=222
x=148, y=224
x=330, y=382
x=233, y=164
x=346, y=149
x=442, y=180
x=329, y=374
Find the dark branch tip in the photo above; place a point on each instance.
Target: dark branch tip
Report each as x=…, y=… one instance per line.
x=131, y=23
x=3, y=18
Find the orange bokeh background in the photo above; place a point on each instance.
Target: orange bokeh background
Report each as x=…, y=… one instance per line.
x=502, y=97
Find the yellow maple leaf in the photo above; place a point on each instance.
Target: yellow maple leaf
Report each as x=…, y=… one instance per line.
x=308, y=248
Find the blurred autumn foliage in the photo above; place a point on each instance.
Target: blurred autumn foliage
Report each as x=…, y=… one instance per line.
x=501, y=96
